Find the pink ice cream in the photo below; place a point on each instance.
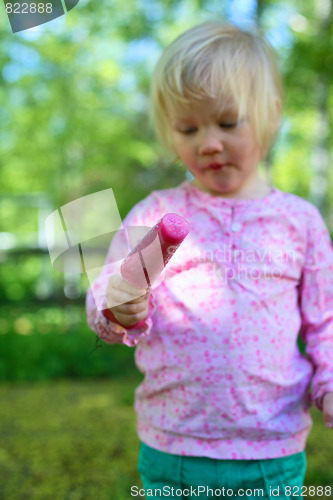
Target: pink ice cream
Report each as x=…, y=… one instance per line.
x=147, y=260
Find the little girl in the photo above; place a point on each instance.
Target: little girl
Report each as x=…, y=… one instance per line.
x=223, y=407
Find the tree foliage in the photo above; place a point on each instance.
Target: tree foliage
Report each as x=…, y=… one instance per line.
x=74, y=100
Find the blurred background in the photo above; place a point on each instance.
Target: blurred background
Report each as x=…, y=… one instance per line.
x=73, y=121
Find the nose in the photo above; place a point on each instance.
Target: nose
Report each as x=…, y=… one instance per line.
x=210, y=143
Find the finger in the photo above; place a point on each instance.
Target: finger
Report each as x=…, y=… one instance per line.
x=116, y=298
x=142, y=298
x=120, y=285
x=130, y=319
x=131, y=308
x=117, y=281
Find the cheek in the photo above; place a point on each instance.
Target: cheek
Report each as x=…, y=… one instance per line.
x=183, y=150
x=177, y=144
x=247, y=149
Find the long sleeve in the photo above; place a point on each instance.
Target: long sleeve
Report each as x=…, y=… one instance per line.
x=316, y=302
x=96, y=299
x=223, y=376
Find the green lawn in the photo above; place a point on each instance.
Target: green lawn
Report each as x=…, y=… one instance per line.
x=76, y=440
x=68, y=440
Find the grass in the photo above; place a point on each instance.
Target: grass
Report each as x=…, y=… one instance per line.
x=76, y=440
x=68, y=440
x=40, y=343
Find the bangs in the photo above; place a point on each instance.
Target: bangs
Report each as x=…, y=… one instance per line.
x=223, y=74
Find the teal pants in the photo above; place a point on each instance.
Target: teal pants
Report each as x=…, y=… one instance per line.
x=174, y=476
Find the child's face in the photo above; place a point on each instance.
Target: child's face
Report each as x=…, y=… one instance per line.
x=221, y=153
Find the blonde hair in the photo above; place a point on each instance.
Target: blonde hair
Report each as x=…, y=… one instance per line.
x=222, y=61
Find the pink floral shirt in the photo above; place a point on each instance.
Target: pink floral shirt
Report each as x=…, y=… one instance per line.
x=224, y=377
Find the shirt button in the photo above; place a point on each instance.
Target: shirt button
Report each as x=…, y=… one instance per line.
x=236, y=226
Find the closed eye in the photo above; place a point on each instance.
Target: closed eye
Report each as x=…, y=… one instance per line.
x=228, y=124
x=188, y=131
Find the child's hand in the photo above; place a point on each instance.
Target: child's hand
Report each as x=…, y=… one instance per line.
x=132, y=310
x=328, y=409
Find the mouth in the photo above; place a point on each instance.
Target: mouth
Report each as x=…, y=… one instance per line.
x=216, y=166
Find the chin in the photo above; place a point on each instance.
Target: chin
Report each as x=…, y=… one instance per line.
x=225, y=190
